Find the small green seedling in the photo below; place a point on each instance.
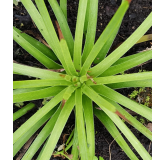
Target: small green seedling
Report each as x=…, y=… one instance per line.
x=133, y=94
x=19, y=104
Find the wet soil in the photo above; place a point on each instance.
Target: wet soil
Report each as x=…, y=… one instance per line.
x=138, y=11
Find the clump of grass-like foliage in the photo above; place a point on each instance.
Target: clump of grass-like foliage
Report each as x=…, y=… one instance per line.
x=74, y=84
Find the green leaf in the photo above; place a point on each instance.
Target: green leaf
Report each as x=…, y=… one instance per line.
x=122, y=49
x=58, y=128
x=38, y=45
x=82, y=141
x=132, y=120
x=110, y=126
x=37, y=72
x=97, y=98
x=141, y=58
x=95, y=158
x=119, y=98
x=145, y=38
x=89, y=121
x=70, y=138
x=63, y=5
x=121, y=78
x=17, y=146
x=36, y=117
x=75, y=151
x=67, y=58
x=103, y=52
x=128, y=134
x=86, y=17
x=37, y=94
x=42, y=136
x=105, y=106
x=40, y=22
x=79, y=33
x=62, y=21
x=107, y=122
x=15, y=2
x=101, y=158
x=23, y=90
x=143, y=83
x=109, y=30
x=91, y=20
x=44, y=24
x=69, y=92
x=34, y=49
x=23, y=111
x=39, y=83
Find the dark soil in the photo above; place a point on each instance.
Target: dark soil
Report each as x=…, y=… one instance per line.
x=138, y=11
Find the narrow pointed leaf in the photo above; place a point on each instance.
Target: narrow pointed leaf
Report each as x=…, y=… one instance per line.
x=105, y=106
x=107, y=122
x=82, y=141
x=37, y=94
x=40, y=23
x=131, y=120
x=122, y=49
x=67, y=58
x=128, y=64
x=103, y=52
x=39, y=83
x=42, y=136
x=44, y=24
x=36, y=117
x=75, y=151
x=121, y=78
x=62, y=21
x=69, y=92
x=79, y=33
x=24, y=90
x=23, y=111
x=63, y=5
x=109, y=30
x=89, y=120
x=128, y=134
x=97, y=98
x=17, y=146
x=58, y=128
x=91, y=28
x=36, y=72
x=86, y=17
x=145, y=38
x=30, y=48
x=124, y=59
x=38, y=45
x=143, y=83
x=70, y=138
x=119, y=98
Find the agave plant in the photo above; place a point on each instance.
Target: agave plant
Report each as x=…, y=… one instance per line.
x=74, y=83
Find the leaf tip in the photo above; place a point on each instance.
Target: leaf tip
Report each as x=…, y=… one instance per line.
x=129, y=1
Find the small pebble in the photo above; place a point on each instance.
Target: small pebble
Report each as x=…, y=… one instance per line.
x=133, y=27
x=109, y=11
x=132, y=15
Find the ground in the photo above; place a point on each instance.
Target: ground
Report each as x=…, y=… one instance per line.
x=138, y=11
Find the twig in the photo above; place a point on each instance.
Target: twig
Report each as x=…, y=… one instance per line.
x=149, y=147
x=26, y=146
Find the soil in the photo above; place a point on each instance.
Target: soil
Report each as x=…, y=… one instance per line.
x=138, y=11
